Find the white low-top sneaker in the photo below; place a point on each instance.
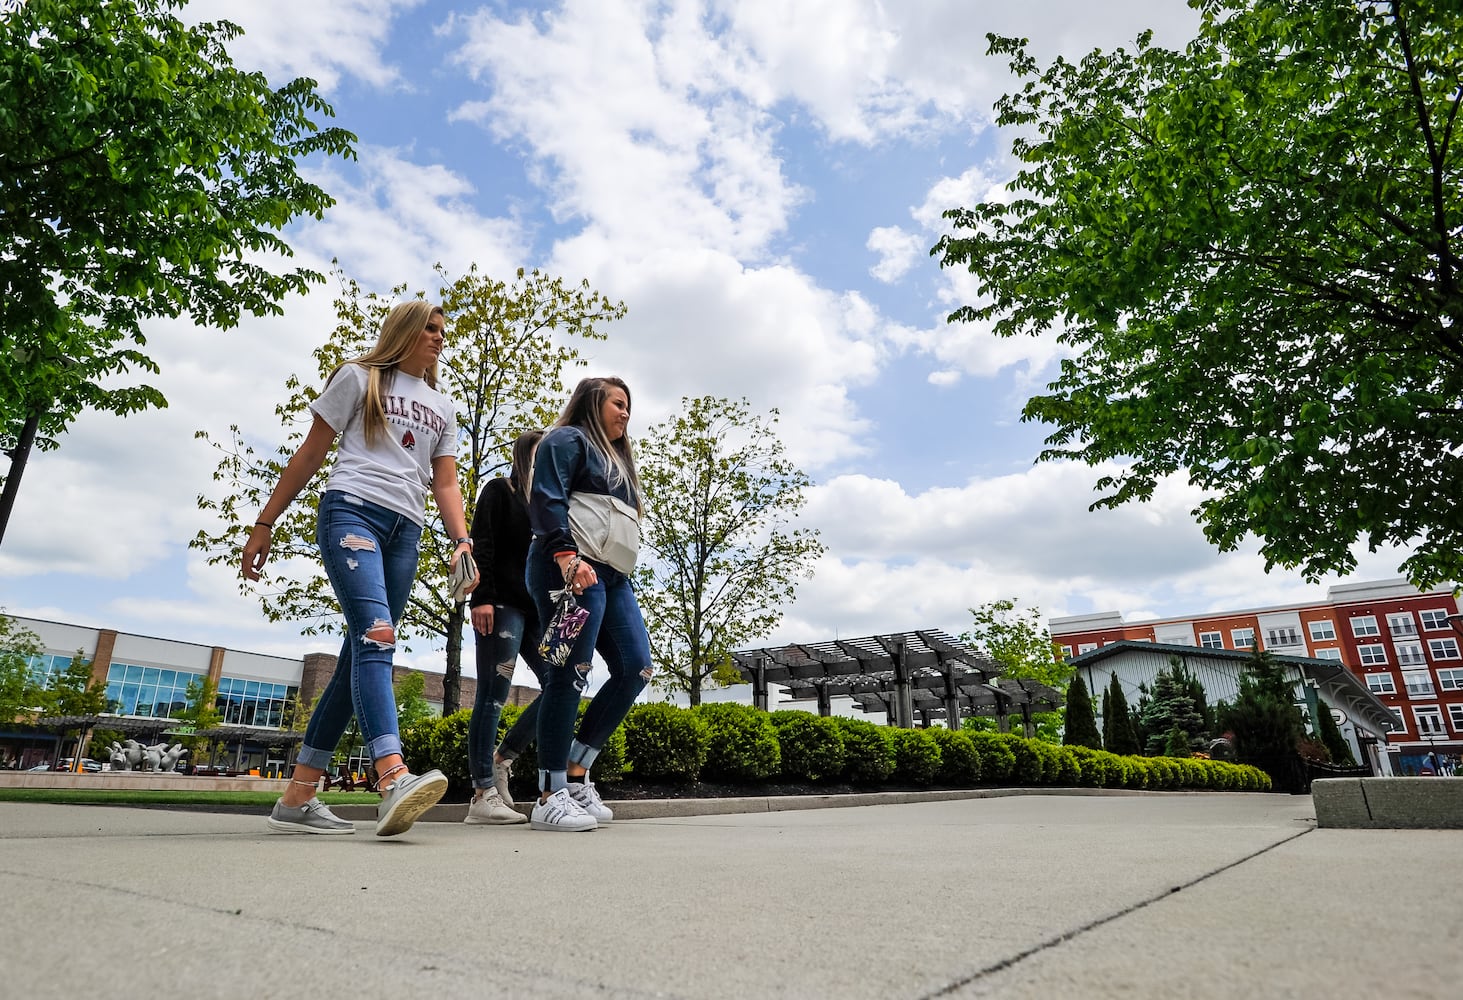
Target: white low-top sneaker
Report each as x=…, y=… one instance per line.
x=588, y=798
x=560, y=812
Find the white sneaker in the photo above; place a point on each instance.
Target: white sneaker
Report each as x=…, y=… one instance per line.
x=501, y=770
x=588, y=798
x=560, y=812
x=489, y=809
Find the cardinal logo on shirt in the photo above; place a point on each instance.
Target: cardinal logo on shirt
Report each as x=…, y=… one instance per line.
x=408, y=441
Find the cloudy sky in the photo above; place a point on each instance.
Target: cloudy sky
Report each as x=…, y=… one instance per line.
x=760, y=182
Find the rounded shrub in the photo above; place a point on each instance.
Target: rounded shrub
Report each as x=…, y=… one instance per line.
x=812, y=746
x=959, y=760
x=916, y=756
x=665, y=742
x=1092, y=769
x=868, y=751
x=741, y=743
x=1062, y=766
x=997, y=761
x=1029, y=767
x=1135, y=772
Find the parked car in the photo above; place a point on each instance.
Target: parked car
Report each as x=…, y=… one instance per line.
x=87, y=764
x=40, y=767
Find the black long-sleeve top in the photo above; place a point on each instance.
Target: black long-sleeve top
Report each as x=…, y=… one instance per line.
x=500, y=536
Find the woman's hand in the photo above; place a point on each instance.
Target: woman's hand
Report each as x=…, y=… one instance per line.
x=256, y=551
x=583, y=575
x=482, y=619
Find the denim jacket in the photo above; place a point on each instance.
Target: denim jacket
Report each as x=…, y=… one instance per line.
x=563, y=464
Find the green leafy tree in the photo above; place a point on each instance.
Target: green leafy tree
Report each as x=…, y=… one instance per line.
x=73, y=691
x=200, y=712
x=507, y=348
x=721, y=560
x=1250, y=250
x=1171, y=707
x=19, y=694
x=144, y=175
x=1266, y=722
x=411, y=700
x=1018, y=642
x=1081, y=725
x=1117, y=722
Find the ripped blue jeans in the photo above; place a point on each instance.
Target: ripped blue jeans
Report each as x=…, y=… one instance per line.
x=616, y=630
x=514, y=633
x=370, y=555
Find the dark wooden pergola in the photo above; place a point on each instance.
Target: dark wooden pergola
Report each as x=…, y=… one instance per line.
x=903, y=673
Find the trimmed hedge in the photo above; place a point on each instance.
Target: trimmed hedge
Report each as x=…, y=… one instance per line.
x=812, y=746
x=739, y=744
x=665, y=743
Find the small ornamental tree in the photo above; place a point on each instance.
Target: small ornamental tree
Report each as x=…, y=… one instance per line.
x=1081, y=728
x=1331, y=736
x=1171, y=707
x=1266, y=721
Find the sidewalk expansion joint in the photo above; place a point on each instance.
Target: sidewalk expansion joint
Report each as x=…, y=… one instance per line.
x=1053, y=942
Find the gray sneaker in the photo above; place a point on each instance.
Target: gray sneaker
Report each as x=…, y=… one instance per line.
x=312, y=817
x=501, y=770
x=405, y=801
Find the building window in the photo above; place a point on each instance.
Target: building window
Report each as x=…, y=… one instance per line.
x=1401, y=624
x=1243, y=638
x=1286, y=636
x=151, y=691
x=1211, y=640
x=1381, y=683
x=1456, y=711
x=1066, y=652
x=1434, y=619
x=1443, y=649
x=1322, y=631
x=1085, y=647
x=1372, y=656
x=1429, y=721
x=1363, y=625
x=1329, y=653
x=1409, y=654
x=1419, y=684
x=1451, y=680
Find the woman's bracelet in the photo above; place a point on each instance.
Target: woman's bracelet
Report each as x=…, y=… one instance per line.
x=267, y=524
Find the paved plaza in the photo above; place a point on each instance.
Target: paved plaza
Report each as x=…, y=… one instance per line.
x=1051, y=896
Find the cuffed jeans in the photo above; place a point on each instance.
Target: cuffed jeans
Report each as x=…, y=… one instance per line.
x=370, y=555
x=616, y=629
x=514, y=633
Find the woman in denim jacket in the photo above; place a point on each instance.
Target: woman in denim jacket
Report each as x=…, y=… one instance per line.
x=398, y=439
x=586, y=451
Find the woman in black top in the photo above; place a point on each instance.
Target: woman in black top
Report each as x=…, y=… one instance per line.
x=502, y=614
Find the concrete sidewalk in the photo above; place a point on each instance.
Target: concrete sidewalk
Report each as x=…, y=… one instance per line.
x=1135, y=896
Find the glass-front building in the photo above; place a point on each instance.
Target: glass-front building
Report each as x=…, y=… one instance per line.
x=162, y=694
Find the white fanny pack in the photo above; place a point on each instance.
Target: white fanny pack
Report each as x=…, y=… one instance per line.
x=605, y=528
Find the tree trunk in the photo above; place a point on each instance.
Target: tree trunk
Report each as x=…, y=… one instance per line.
x=19, y=455
x=452, y=677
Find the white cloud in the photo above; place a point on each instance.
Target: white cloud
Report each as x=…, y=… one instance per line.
x=324, y=40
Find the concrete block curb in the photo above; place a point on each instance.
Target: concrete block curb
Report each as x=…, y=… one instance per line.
x=1388, y=803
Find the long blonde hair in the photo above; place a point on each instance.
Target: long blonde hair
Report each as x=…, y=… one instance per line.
x=585, y=410
x=399, y=332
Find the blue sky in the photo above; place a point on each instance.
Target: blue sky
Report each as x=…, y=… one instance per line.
x=760, y=181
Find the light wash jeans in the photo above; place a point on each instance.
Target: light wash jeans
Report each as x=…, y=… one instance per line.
x=616, y=629
x=514, y=634
x=370, y=555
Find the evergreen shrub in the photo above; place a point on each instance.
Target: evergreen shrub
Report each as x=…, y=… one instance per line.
x=1029, y=768
x=997, y=761
x=868, y=751
x=741, y=743
x=916, y=756
x=1092, y=768
x=665, y=742
x=959, y=760
x=812, y=746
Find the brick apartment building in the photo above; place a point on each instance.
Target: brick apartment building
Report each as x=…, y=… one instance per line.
x=1397, y=640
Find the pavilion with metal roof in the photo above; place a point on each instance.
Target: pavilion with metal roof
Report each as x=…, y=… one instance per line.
x=925, y=673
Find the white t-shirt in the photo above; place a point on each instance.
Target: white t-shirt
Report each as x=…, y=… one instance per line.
x=395, y=472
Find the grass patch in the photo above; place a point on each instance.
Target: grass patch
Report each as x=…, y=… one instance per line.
x=155, y=797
